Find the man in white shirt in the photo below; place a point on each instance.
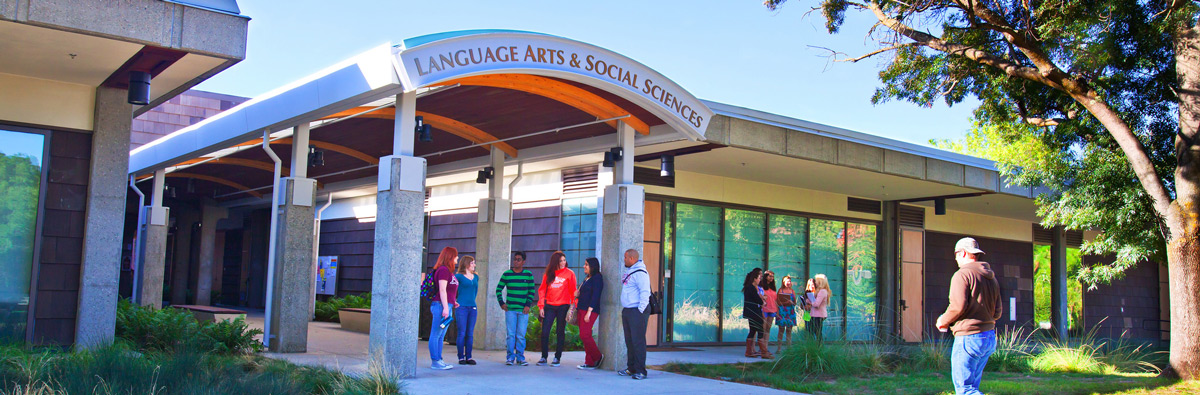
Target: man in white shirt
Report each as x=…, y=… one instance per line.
x=635, y=299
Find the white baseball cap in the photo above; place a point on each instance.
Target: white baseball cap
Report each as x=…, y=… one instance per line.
x=968, y=244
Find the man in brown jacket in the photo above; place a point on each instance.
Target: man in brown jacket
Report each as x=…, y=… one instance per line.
x=974, y=308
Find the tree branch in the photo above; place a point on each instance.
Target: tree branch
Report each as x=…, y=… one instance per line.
x=877, y=52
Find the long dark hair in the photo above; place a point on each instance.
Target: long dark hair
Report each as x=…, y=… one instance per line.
x=768, y=280
x=749, y=282
x=593, y=265
x=548, y=277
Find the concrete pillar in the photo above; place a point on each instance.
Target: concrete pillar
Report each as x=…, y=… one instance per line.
x=154, y=254
x=1058, y=283
x=293, y=266
x=622, y=228
x=186, y=219
x=208, y=252
x=493, y=251
x=889, y=273
x=395, y=276
x=105, y=217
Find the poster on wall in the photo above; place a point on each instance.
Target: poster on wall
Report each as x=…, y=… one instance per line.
x=327, y=275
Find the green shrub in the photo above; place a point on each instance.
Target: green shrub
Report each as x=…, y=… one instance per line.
x=533, y=336
x=327, y=310
x=929, y=355
x=175, y=330
x=1013, y=352
x=812, y=357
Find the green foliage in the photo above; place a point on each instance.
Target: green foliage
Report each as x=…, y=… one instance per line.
x=1120, y=53
x=119, y=370
x=327, y=310
x=533, y=337
x=20, y=181
x=1042, y=288
x=176, y=330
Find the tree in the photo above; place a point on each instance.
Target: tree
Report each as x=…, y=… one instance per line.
x=1099, y=100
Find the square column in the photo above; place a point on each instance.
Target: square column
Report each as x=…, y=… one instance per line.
x=104, y=220
x=1058, y=283
x=396, y=274
x=154, y=248
x=623, y=229
x=493, y=253
x=209, y=216
x=293, y=266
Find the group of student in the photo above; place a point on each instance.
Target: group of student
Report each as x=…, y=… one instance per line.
x=560, y=298
x=764, y=305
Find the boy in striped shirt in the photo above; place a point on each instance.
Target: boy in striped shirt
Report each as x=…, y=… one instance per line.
x=521, y=295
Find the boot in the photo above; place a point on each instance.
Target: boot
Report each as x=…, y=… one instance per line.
x=763, y=351
x=750, y=349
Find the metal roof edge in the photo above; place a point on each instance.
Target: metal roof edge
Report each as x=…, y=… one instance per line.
x=847, y=135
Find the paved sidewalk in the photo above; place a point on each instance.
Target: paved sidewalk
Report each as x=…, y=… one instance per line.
x=334, y=348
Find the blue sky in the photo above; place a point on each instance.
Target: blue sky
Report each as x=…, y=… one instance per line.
x=734, y=52
x=20, y=143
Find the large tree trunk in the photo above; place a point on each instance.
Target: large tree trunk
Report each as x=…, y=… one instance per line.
x=1183, y=219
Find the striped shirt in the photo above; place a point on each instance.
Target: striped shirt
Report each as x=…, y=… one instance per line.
x=521, y=291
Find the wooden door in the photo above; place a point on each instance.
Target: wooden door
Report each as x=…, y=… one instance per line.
x=912, y=283
x=652, y=257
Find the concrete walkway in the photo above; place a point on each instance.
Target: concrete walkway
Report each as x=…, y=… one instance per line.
x=331, y=347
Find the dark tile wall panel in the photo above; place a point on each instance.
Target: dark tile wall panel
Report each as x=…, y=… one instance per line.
x=1128, y=307
x=57, y=290
x=1011, y=260
x=450, y=230
x=537, y=230
x=353, y=243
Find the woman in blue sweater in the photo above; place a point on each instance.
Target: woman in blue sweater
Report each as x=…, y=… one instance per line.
x=588, y=310
x=468, y=287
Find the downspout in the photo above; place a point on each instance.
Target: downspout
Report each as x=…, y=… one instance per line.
x=513, y=184
x=138, y=243
x=266, y=144
x=312, y=310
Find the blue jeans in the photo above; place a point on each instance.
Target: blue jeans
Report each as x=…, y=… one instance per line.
x=466, y=330
x=436, y=334
x=517, y=325
x=967, y=359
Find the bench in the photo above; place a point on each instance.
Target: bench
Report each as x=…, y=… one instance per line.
x=211, y=313
x=357, y=320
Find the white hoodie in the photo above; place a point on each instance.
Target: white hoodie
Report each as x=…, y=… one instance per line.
x=635, y=288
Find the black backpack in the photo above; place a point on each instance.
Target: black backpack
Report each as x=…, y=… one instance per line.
x=655, y=306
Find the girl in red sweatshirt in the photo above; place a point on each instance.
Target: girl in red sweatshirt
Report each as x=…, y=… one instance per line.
x=556, y=295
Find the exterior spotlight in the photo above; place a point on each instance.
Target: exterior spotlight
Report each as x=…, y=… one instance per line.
x=667, y=167
x=139, y=88
x=939, y=206
x=484, y=175
x=612, y=156
x=423, y=131
x=316, y=157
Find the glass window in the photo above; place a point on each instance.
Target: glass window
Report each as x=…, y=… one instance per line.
x=745, y=247
x=20, y=187
x=827, y=241
x=1041, y=289
x=578, y=231
x=789, y=249
x=861, y=259
x=697, y=268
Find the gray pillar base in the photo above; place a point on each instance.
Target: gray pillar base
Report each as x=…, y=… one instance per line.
x=623, y=228
x=96, y=316
x=154, y=264
x=293, y=267
x=493, y=248
x=395, y=276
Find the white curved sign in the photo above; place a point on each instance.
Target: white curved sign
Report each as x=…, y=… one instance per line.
x=434, y=59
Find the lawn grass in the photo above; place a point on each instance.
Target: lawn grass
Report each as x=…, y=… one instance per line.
x=931, y=382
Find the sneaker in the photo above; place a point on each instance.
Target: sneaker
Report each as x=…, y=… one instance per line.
x=509, y=362
x=439, y=365
x=470, y=361
x=523, y=363
x=541, y=362
x=624, y=372
x=639, y=376
x=585, y=367
x=599, y=361
x=463, y=362
x=555, y=363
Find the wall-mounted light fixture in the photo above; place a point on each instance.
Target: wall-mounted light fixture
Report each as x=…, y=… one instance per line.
x=484, y=175
x=667, y=167
x=316, y=157
x=939, y=206
x=424, y=134
x=612, y=156
x=139, y=88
